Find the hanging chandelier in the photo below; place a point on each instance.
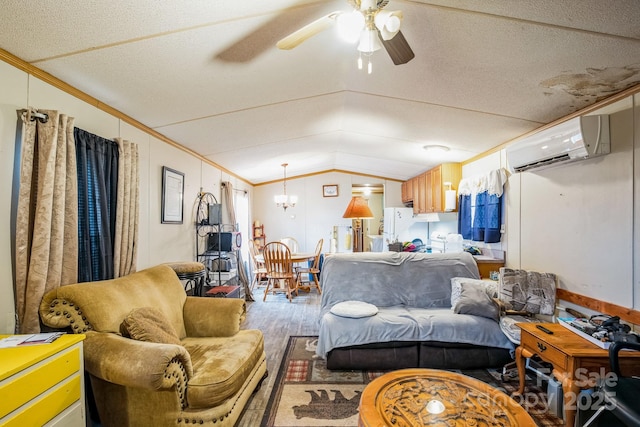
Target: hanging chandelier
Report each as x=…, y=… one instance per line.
x=283, y=200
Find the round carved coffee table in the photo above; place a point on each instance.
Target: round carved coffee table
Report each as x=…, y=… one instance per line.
x=423, y=397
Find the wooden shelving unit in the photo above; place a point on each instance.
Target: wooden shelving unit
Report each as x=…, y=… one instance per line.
x=258, y=236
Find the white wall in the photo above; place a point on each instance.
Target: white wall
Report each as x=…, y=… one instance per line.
x=579, y=220
x=314, y=216
x=157, y=242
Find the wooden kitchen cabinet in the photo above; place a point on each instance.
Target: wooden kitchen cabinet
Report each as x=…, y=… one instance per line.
x=415, y=190
x=421, y=205
x=429, y=188
x=423, y=199
x=407, y=191
x=446, y=172
x=437, y=202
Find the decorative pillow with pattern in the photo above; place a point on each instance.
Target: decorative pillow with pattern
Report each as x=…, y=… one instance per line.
x=528, y=291
x=149, y=324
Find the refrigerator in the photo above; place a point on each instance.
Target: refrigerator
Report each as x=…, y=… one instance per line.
x=401, y=226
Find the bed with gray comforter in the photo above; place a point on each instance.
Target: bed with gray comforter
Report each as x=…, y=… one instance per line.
x=414, y=325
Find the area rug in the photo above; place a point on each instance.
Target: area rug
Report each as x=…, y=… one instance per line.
x=307, y=394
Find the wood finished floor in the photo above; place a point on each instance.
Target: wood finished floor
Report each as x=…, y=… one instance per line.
x=277, y=318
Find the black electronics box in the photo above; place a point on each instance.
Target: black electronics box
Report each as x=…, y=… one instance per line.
x=224, y=242
x=215, y=214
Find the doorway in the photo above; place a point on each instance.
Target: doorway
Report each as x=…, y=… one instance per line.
x=370, y=239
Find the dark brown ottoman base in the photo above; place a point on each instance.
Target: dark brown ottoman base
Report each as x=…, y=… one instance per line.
x=432, y=354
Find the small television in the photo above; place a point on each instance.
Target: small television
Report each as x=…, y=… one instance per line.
x=215, y=214
x=224, y=242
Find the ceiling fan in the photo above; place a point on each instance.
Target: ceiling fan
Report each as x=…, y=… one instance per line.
x=368, y=24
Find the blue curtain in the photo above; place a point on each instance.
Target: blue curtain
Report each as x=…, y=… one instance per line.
x=493, y=218
x=487, y=218
x=479, y=216
x=97, y=165
x=464, y=216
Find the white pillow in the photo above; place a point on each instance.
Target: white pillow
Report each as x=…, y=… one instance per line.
x=354, y=309
x=489, y=286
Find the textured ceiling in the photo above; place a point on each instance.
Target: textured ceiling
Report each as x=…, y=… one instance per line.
x=208, y=75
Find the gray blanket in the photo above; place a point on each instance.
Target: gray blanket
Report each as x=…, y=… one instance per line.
x=413, y=294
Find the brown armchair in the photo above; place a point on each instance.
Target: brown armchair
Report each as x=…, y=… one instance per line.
x=156, y=356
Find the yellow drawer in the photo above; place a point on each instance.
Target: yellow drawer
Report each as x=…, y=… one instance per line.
x=16, y=392
x=48, y=406
x=545, y=350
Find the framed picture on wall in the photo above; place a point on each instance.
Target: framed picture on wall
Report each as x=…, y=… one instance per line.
x=330, y=190
x=172, y=196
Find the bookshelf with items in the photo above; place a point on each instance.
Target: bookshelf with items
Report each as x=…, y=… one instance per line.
x=259, y=237
x=216, y=248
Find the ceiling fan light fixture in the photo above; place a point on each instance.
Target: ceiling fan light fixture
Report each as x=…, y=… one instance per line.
x=368, y=25
x=369, y=64
x=369, y=41
x=388, y=22
x=349, y=26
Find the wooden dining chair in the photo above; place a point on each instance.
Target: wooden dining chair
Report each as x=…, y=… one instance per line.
x=258, y=268
x=292, y=243
x=313, y=270
x=280, y=275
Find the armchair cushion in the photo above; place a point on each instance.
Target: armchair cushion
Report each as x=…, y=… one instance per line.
x=149, y=324
x=213, y=317
x=221, y=366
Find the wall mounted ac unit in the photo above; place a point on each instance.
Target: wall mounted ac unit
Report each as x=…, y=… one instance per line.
x=576, y=139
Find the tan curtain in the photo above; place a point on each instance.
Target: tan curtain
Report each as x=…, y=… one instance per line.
x=127, y=210
x=47, y=213
x=228, y=201
x=227, y=197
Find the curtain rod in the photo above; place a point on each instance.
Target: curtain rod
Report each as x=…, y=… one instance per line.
x=224, y=184
x=33, y=114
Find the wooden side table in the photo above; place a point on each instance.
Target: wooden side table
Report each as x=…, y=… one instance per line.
x=422, y=397
x=577, y=363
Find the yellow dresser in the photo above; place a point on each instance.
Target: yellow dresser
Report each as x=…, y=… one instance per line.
x=43, y=385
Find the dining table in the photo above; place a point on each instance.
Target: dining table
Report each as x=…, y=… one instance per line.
x=296, y=258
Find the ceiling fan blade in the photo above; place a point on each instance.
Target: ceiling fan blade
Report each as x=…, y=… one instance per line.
x=262, y=39
x=398, y=49
x=308, y=31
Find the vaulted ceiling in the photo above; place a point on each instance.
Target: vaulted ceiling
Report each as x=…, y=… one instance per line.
x=207, y=75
